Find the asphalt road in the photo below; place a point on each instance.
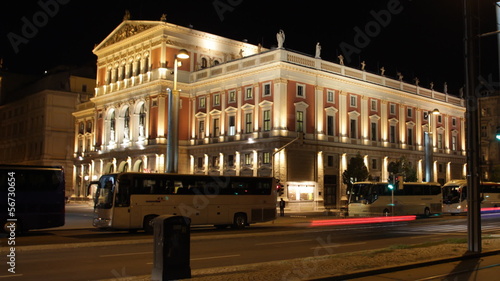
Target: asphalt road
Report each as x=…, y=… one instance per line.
x=71, y=253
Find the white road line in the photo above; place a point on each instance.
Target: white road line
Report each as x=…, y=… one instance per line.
x=282, y=242
x=125, y=254
x=11, y=275
x=337, y=245
x=216, y=257
x=209, y=258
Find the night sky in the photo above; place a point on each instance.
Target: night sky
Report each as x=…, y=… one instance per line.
x=419, y=38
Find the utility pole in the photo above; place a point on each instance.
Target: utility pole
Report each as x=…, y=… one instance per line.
x=472, y=117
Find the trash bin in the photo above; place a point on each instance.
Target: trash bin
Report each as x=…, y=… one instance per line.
x=171, y=248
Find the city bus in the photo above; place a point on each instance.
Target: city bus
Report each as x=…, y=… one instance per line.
x=132, y=200
x=33, y=197
x=455, y=196
x=409, y=198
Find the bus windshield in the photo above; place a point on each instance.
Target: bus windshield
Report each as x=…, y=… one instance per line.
x=104, y=193
x=452, y=194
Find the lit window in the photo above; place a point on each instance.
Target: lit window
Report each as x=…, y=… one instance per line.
x=248, y=93
x=202, y=102
x=354, y=101
x=267, y=120
x=330, y=96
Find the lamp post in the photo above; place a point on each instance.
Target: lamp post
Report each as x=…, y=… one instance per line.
x=429, y=147
x=173, y=119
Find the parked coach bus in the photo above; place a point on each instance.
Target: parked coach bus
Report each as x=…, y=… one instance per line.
x=32, y=197
x=412, y=198
x=132, y=200
x=455, y=196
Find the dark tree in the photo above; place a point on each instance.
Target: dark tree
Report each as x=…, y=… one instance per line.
x=403, y=168
x=356, y=171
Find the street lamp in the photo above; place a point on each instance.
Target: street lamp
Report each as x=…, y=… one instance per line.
x=429, y=147
x=173, y=119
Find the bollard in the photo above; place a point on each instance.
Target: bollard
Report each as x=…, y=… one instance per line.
x=171, y=248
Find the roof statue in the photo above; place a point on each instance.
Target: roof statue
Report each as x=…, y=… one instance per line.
x=163, y=17
x=363, y=65
x=318, y=51
x=280, y=36
x=382, y=71
x=341, y=59
x=127, y=15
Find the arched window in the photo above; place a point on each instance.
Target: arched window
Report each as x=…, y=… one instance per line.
x=204, y=63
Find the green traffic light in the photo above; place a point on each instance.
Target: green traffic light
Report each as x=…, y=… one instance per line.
x=391, y=187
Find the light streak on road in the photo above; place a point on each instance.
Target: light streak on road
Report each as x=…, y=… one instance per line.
x=367, y=220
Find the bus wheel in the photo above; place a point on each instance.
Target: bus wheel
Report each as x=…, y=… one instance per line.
x=386, y=213
x=427, y=212
x=240, y=221
x=148, y=225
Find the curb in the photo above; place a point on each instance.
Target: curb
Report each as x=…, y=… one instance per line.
x=377, y=271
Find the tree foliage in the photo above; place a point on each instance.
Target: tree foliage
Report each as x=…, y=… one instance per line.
x=356, y=171
x=404, y=168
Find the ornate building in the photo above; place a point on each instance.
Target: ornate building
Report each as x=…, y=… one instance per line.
x=247, y=110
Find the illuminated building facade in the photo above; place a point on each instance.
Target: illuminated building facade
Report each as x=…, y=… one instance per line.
x=247, y=110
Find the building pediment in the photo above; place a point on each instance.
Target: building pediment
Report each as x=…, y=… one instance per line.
x=126, y=29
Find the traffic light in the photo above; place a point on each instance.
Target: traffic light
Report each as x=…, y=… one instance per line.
x=279, y=188
x=497, y=134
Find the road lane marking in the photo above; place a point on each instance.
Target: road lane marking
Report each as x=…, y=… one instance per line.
x=209, y=258
x=337, y=245
x=216, y=257
x=282, y=242
x=125, y=254
x=11, y=275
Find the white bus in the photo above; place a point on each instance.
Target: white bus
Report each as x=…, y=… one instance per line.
x=410, y=198
x=132, y=200
x=455, y=196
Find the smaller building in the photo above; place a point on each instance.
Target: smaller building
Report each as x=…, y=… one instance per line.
x=36, y=122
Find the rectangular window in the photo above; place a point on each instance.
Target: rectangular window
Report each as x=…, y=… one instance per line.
x=201, y=128
x=453, y=121
x=374, y=164
x=454, y=143
x=330, y=125
x=248, y=93
x=409, y=112
x=248, y=123
x=392, y=108
x=266, y=158
x=231, y=96
x=440, y=119
x=354, y=101
x=267, y=120
x=230, y=160
x=330, y=161
x=410, y=136
x=330, y=96
x=232, y=126
x=216, y=128
x=266, y=91
x=374, y=131
x=216, y=99
x=301, y=91
x=248, y=159
x=215, y=161
x=374, y=105
x=200, y=162
x=353, y=128
x=440, y=141
x=392, y=134
x=201, y=102
x=300, y=121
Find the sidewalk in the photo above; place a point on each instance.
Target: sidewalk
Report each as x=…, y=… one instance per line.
x=340, y=266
